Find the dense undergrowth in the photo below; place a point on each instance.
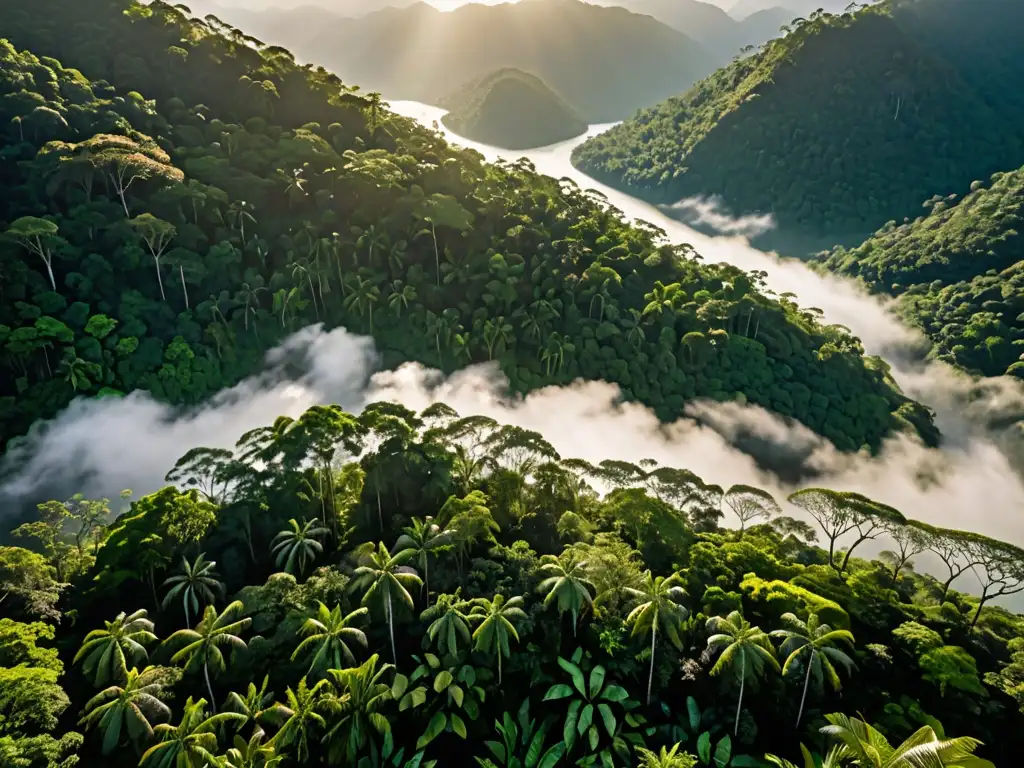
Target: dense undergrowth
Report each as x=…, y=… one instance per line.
x=425, y=589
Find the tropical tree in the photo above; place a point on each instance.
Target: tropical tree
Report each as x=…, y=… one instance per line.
x=38, y=237
x=813, y=643
x=130, y=707
x=567, y=586
x=252, y=753
x=749, y=504
x=361, y=695
x=203, y=644
x=424, y=538
x=659, y=606
x=253, y=705
x=190, y=744
x=299, y=717
x=927, y=747
x=496, y=625
x=386, y=581
x=449, y=623
x=743, y=649
x=296, y=547
x=328, y=635
x=106, y=653
x=197, y=582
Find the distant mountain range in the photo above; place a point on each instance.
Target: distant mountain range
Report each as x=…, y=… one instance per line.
x=605, y=61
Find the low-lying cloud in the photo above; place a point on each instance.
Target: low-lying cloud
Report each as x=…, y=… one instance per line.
x=712, y=213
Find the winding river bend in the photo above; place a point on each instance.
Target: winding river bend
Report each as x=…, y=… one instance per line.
x=973, y=463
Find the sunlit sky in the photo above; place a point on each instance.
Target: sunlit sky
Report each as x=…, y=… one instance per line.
x=450, y=5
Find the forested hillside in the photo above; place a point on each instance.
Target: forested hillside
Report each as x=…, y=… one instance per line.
x=607, y=62
x=395, y=589
x=510, y=108
x=958, y=271
x=197, y=199
x=920, y=115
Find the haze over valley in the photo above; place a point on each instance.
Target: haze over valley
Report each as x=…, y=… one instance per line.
x=634, y=383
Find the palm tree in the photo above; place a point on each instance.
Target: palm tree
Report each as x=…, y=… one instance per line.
x=131, y=707
x=106, y=653
x=203, y=644
x=387, y=580
x=252, y=706
x=496, y=619
x=361, y=695
x=814, y=643
x=196, y=582
x=298, y=717
x=567, y=586
x=330, y=632
x=423, y=538
x=744, y=649
x=252, y=754
x=449, y=622
x=190, y=744
x=659, y=606
x=926, y=748
x=298, y=546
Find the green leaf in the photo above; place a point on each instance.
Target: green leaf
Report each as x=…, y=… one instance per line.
x=614, y=693
x=569, y=730
x=576, y=673
x=536, y=747
x=497, y=749
x=458, y=726
x=414, y=698
x=607, y=717
x=559, y=691
x=723, y=751
x=432, y=660
x=399, y=687
x=704, y=748
x=694, y=713
x=467, y=675
x=443, y=680
x=457, y=694
x=552, y=756
x=606, y=759
x=434, y=728
x=586, y=718
x=593, y=735
x=596, y=680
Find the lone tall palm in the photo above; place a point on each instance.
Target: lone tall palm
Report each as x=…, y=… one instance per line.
x=497, y=625
x=814, y=644
x=204, y=643
x=566, y=585
x=745, y=651
x=197, y=582
x=387, y=581
x=659, y=607
x=328, y=635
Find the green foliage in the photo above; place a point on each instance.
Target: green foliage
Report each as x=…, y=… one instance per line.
x=760, y=133
x=775, y=598
x=245, y=216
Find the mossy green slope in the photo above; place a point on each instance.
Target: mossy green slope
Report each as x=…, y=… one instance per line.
x=287, y=199
x=845, y=123
x=511, y=109
x=958, y=271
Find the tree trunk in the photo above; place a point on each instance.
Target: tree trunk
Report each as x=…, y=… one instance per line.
x=499, y=666
x=49, y=271
x=184, y=288
x=159, y=279
x=437, y=254
x=807, y=682
x=152, y=587
x=206, y=674
x=380, y=514
x=739, y=704
x=391, y=630
x=650, y=675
